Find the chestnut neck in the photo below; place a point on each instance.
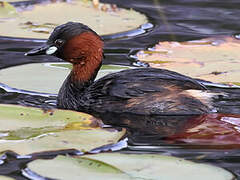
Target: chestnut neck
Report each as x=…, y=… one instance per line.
x=85, y=52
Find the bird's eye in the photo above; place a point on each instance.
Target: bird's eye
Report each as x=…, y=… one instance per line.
x=59, y=42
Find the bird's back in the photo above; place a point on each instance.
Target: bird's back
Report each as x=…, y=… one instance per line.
x=147, y=91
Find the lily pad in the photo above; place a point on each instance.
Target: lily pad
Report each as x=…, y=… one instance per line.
x=127, y=166
x=105, y=69
x=27, y=130
x=44, y=77
x=212, y=59
x=40, y=20
x=6, y=178
x=15, y=0
x=76, y=167
x=7, y=10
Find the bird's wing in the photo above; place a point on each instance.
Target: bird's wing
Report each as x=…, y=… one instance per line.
x=149, y=89
x=136, y=82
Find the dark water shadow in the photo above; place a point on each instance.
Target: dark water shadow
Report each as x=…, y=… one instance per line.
x=9, y=95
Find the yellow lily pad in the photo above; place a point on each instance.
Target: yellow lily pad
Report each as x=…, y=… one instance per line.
x=27, y=130
x=127, y=166
x=43, y=18
x=212, y=59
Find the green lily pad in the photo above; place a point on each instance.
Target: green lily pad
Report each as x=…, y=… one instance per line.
x=27, y=130
x=7, y=10
x=44, y=77
x=63, y=65
x=41, y=19
x=76, y=167
x=127, y=166
x=105, y=69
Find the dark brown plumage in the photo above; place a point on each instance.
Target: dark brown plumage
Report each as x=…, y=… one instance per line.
x=145, y=91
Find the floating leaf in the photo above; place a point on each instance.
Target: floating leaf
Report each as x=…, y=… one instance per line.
x=7, y=10
x=26, y=130
x=113, y=68
x=157, y=61
x=64, y=65
x=39, y=22
x=14, y=117
x=18, y=76
x=127, y=166
x=6, y=178
x=46, y=28
x=86, y=168
x=232, y=83
x=212, y=59
x=14, y=0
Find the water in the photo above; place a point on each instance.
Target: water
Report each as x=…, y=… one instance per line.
x=168, y=21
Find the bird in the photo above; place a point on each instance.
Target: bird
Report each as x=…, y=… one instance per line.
x=140, y=91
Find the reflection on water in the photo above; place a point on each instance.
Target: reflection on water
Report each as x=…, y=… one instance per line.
x=145, y=129
x=208, y=130
x=210, y=138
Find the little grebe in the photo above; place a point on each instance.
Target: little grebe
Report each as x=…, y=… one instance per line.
x=142, y=91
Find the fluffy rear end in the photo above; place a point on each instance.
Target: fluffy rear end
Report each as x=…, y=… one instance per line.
x=226, y=100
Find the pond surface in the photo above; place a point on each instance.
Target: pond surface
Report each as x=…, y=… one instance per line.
x=172, y=20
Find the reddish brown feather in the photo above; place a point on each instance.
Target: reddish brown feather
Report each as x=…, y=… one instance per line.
x=85, y=52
